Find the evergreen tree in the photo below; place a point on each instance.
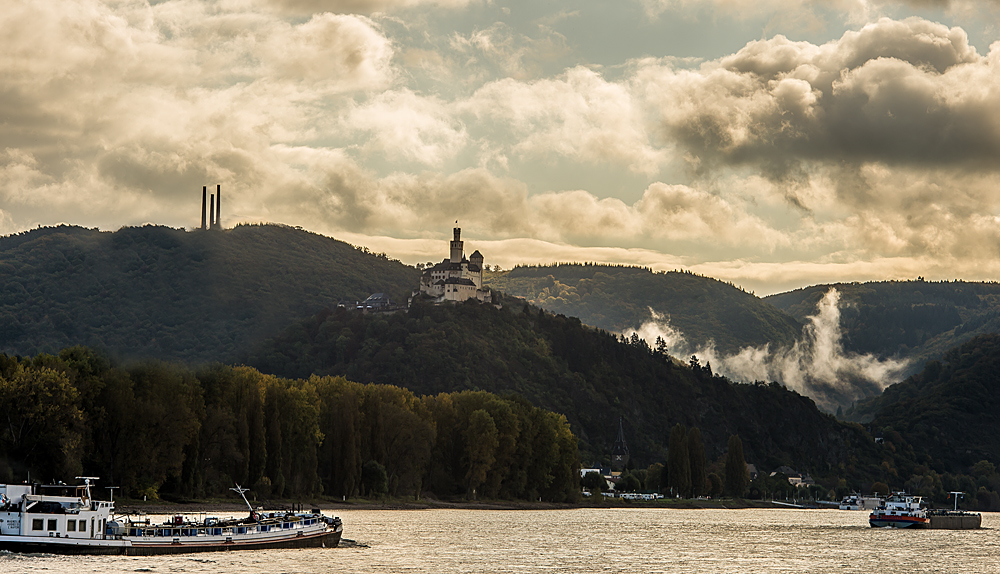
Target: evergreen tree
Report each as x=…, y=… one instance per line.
x=696, y=454
x=678, y=462
x=737, y=478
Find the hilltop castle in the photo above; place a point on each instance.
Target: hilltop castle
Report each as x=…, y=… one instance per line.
x=456, y=278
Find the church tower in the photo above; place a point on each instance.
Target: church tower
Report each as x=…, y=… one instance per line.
x=619, y=452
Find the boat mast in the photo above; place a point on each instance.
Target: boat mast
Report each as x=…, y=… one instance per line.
x=242, y=490
x=86, y=481
x=956, y=495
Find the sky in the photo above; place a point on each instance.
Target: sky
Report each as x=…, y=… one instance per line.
x=771, y=143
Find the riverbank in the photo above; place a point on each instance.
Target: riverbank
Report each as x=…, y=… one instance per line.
x=128, y=506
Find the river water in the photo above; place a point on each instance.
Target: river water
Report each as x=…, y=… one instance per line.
x=589, y=540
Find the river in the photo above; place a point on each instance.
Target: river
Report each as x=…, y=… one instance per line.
x=588, y=540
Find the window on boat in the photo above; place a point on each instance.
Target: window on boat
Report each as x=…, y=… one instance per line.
x=36, y=523
x=83, y=526
x=52, y=524
x=70, y=526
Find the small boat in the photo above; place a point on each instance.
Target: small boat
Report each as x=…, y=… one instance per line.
x=899, y=510
x=63, y=519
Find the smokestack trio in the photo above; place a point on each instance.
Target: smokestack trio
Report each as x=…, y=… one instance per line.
x=214, y=205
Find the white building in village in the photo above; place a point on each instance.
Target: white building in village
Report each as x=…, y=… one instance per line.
x=456, y=278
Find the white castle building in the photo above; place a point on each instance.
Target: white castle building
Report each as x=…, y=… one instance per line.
x=456, y=278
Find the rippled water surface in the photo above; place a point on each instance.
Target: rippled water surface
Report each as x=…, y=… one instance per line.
x=589, y=540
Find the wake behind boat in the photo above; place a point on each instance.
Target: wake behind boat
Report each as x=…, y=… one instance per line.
x=64, y=519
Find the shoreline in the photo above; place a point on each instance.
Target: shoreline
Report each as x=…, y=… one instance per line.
x=127, y=506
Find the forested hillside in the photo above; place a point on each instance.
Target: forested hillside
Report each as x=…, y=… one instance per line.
x=589, y=375
x=617, y=297
x=156, y=292
x=945, y=419
x=154, y=429
x=913, y=319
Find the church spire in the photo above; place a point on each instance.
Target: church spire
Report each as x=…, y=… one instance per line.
x=619, y=452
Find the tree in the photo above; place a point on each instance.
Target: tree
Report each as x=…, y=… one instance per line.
x=714, y=485
x=654, y=477
x=374, y=480
x=880, y=488
x=481, y=441
x=696, y=453
x=629, y=483
x=678, y=462
x=594, y=482
x=737, y=477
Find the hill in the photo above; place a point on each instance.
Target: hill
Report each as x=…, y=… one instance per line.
x=950, y=410
x=589, y=375
x=919, y=320
x=156, y=292
x=616, y=298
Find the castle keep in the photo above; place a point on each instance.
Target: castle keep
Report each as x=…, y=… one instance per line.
x=456, y=278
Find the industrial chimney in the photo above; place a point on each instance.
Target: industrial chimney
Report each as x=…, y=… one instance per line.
x=204, y=199
x=211, y=214
x=218, y=206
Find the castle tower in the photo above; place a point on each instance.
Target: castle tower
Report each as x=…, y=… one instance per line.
x=619, y=452
x=204, y=205
x=476, y=259
x=456, y=246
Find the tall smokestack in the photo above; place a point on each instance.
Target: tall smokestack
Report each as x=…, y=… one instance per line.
x=218, y=206
x=211, y=214
x=204, y=205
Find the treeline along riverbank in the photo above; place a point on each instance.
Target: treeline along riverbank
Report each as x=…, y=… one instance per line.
x=159, y=430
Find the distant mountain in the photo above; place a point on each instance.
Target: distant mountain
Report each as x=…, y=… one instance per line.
x=157, y=292
x=589, y=375
x=911, y=319
x=950, y=411
x=617, y=298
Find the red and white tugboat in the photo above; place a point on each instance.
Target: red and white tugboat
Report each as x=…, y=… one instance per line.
x=900, y=510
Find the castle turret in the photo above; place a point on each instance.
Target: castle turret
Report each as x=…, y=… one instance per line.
x=476, y=268
x=456, y=246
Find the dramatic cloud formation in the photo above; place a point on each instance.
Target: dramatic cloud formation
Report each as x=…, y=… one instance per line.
x=856, y=140
x=816, y=365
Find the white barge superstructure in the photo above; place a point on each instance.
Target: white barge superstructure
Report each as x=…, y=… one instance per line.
x=65, y=519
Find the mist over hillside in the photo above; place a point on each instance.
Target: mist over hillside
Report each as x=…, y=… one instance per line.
x=616, y=298
x=907, y=320
x=816, y=365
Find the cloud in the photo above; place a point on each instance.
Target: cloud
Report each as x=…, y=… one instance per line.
x=359, y=6
x=500, y=50
x=579, y=115
x=804, y=14
x=900, y=93
x=816, y=365
x=406, y=126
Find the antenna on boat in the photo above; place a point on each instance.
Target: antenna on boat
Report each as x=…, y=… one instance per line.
x=956, y=495
x=242, y=490
x=86, y=482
